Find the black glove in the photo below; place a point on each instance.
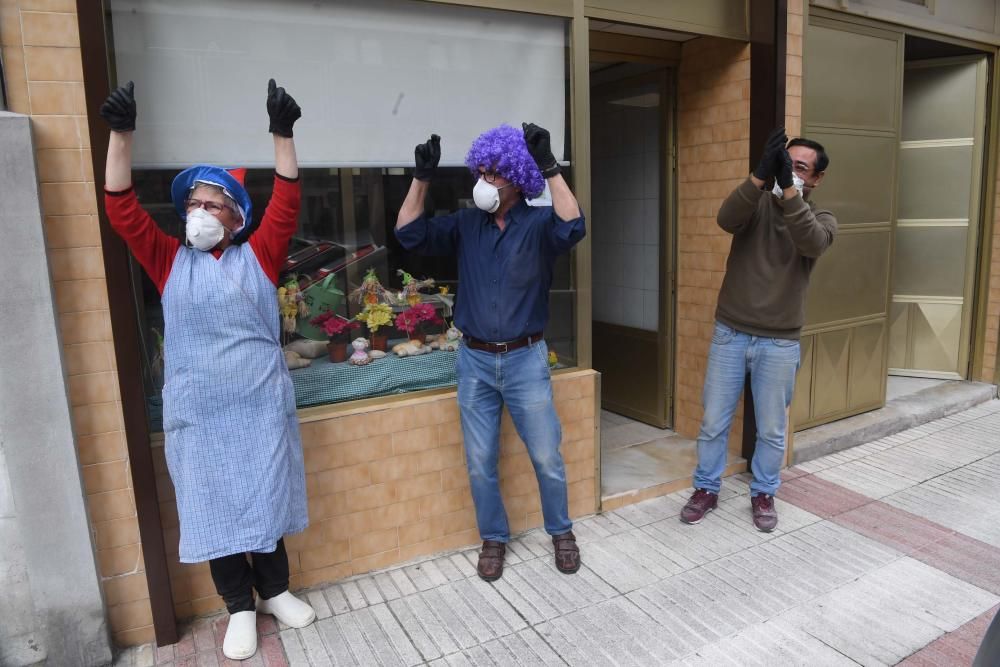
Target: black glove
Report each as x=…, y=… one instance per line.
x=426, y=157
x=119, y=108
x=283, y=110
x=768, y=164
x=783, y=174
x=537, y=139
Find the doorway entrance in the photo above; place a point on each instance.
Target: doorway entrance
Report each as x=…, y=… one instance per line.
x=937, y=232
x=632, y=147
x=903, y=118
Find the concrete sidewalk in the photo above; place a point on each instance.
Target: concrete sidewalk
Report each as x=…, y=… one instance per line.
x=887, y=553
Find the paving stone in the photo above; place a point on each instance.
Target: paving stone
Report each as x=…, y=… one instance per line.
x=775, y=642
x=420, y=578
x=488, y=599
x=386, y=586
x=429, y=633
x=337, y=600
x=355, y=598
x=821, y=497
x=294, y=649
x=312, y=643
x=889, y=613
x=319, y=603
x=615, y=565
x=865, y=478
x=402, y=582
x=648, y=511
x=369, y=589
x=395, y=635
x=610, y=633
x=524, y=648
x=451, y=570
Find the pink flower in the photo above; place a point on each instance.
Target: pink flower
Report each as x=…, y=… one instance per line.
x=332, y=324
x=410, y=319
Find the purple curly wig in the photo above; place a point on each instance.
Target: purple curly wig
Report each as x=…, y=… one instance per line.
x=503, y=149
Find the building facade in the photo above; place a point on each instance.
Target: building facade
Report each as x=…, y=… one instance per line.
x=658, y=110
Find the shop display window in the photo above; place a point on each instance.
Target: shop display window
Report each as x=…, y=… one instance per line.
x=373, y=78
x=345, y=231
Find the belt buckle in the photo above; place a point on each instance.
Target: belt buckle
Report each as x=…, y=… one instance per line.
x=503, y=345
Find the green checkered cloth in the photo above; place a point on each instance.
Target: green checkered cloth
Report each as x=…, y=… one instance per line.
x=325, y=382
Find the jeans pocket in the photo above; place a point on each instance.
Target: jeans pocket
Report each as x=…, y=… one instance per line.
x=542, y=352
x=722, y=334
x=784, y=342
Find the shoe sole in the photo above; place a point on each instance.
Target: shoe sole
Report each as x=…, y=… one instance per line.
x=695, y=523
x=485, y=578
x=240, y=656
x=573, y=571
x=764, y=530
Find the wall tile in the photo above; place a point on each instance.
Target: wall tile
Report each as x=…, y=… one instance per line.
x=49, y=29
x=48, y=63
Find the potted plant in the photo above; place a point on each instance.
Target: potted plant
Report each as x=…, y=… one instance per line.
x=376, y=316
x=338, y=330
x=413, y=319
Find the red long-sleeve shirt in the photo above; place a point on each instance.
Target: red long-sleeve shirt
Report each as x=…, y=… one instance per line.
x=155, y=249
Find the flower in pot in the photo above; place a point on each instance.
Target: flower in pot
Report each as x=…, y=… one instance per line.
x=338, y=329
x=415, y=318
x=376, y=316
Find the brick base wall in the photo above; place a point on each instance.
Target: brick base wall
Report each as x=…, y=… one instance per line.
x=388, y=484
x=713, y=133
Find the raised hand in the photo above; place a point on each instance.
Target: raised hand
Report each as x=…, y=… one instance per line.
x=769, y=162
x=538, y=141
x=783, y=175
x=426, y=157
x=119, y=109
x=283, y=110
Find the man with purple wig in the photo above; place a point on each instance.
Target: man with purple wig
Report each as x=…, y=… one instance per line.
x=506, y=251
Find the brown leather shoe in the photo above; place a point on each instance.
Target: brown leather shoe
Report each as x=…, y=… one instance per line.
x=765, y=517
x=490, y=567
x=567, y=553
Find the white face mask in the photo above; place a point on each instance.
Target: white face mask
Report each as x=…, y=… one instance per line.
x=797, y=183
x=204, y=231
x=487, y=196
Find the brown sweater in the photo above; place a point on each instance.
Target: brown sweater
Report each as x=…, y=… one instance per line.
x=775, y=245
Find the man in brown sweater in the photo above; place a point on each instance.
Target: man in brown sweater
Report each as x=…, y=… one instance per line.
x=777, y=237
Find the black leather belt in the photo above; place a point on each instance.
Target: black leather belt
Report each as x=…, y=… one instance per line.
x=502, y=348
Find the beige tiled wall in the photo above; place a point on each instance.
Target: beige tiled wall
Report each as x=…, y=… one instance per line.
x=388, y=484
x=44, y=76
x=793, y=68
x=713, y=136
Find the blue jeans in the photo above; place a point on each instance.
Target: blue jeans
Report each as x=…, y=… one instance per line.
x=772, y=364
x=520, y=379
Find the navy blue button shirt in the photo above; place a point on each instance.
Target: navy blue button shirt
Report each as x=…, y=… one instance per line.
x=504, y=276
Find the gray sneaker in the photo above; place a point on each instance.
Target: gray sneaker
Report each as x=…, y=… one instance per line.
x=701, y=503
x=765, y=517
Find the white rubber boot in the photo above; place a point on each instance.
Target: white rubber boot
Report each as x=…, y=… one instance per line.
x=241, y=636
x=288, y=609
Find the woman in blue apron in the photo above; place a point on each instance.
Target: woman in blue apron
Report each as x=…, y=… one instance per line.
x=232, y=436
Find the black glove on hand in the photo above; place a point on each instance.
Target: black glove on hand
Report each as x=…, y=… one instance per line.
x=783, y=175
x=283, y=110
x=426, y=157
x=768, y=158
x=537, y=139
x=119, y=108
